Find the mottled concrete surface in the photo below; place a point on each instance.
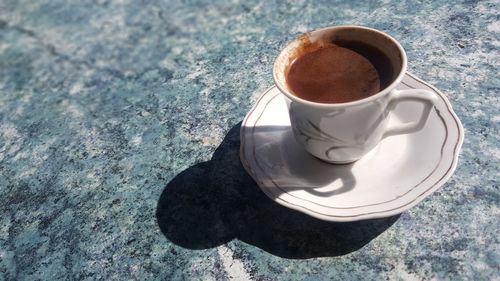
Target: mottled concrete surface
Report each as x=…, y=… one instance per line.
x=119, y=144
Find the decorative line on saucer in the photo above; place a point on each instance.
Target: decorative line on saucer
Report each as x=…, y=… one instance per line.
x=431, y=187
x=330, y=207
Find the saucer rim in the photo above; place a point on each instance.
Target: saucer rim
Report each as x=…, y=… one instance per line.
x=371, y=215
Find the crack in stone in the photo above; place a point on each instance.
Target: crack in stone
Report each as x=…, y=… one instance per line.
x=80, y=64
x=50, y=48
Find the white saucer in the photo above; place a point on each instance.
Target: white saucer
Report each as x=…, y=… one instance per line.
x=400, y=172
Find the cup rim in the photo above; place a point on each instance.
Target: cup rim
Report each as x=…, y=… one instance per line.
x=385, y=91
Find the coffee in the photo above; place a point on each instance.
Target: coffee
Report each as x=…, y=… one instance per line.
x=339, y=72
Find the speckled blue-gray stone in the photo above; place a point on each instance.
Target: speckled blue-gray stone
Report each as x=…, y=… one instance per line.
x=119, y=143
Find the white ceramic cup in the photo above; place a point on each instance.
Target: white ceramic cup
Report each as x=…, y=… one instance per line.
x=343, y=132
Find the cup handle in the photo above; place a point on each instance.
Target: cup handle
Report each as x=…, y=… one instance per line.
x=426, y=97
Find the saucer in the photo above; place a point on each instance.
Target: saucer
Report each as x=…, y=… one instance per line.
x=395, y=176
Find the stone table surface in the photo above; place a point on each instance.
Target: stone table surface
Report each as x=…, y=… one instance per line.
x=119, y=140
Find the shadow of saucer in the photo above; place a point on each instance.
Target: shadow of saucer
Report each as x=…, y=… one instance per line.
x=214, y=202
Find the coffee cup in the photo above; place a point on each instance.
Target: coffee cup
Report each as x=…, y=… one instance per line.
x=343, y=132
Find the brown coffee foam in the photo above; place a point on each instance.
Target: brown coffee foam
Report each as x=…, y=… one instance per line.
x=304, y=45
x=327, y=73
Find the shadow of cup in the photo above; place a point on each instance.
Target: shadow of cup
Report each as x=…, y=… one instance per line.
x=216, y=201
